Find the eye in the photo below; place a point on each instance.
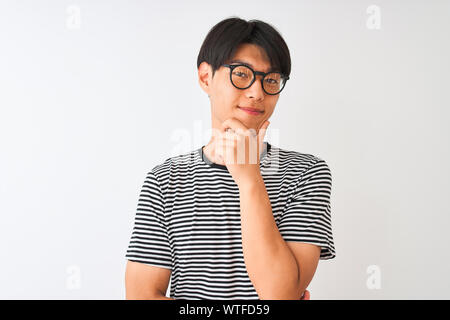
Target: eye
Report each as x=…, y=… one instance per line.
x=273, y=81
x=240, y=74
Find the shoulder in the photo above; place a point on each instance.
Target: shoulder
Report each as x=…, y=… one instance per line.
x=300, y=162
x=173, y=164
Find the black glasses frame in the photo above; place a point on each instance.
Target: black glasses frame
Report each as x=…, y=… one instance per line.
x=255, y=73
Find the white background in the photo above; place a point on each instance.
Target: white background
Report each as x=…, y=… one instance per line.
x=93, y=94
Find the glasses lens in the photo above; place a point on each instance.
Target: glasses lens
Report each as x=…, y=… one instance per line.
x=242, y=76
x=273, y=82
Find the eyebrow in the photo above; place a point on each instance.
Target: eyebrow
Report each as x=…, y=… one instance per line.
x=247, y=64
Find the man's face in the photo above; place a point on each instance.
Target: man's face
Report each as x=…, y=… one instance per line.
x=226, y=99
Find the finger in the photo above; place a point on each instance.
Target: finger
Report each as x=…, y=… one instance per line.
x=234, y=137
x=219, y=149
x=230, y=134
x=306, y=295
x=234, y=124
x=229, y=155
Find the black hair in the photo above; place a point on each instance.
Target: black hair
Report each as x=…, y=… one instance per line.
x=222, y=40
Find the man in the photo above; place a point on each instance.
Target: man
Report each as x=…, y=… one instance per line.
x=223, y=220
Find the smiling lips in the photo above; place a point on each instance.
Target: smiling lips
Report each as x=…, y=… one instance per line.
x=252, y=111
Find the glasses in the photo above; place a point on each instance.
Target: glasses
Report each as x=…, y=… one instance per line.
x=242, y=77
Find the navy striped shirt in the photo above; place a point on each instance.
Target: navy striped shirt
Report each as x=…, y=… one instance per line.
x=188, y=219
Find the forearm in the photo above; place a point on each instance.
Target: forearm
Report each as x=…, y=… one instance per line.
x=271, y=266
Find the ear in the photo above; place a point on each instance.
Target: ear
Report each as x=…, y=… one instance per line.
x=205, y=76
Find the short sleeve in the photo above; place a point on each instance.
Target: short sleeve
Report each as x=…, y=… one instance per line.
x=149, y=241
x=307, y=215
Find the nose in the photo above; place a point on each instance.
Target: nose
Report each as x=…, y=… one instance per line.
x=255, y=90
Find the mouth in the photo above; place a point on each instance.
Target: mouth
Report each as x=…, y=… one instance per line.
x=252, y=111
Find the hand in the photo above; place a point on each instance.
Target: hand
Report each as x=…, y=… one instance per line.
x=306, y=296
x=239, y=148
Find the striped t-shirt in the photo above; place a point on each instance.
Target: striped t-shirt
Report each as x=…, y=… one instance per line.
x=188, y=219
